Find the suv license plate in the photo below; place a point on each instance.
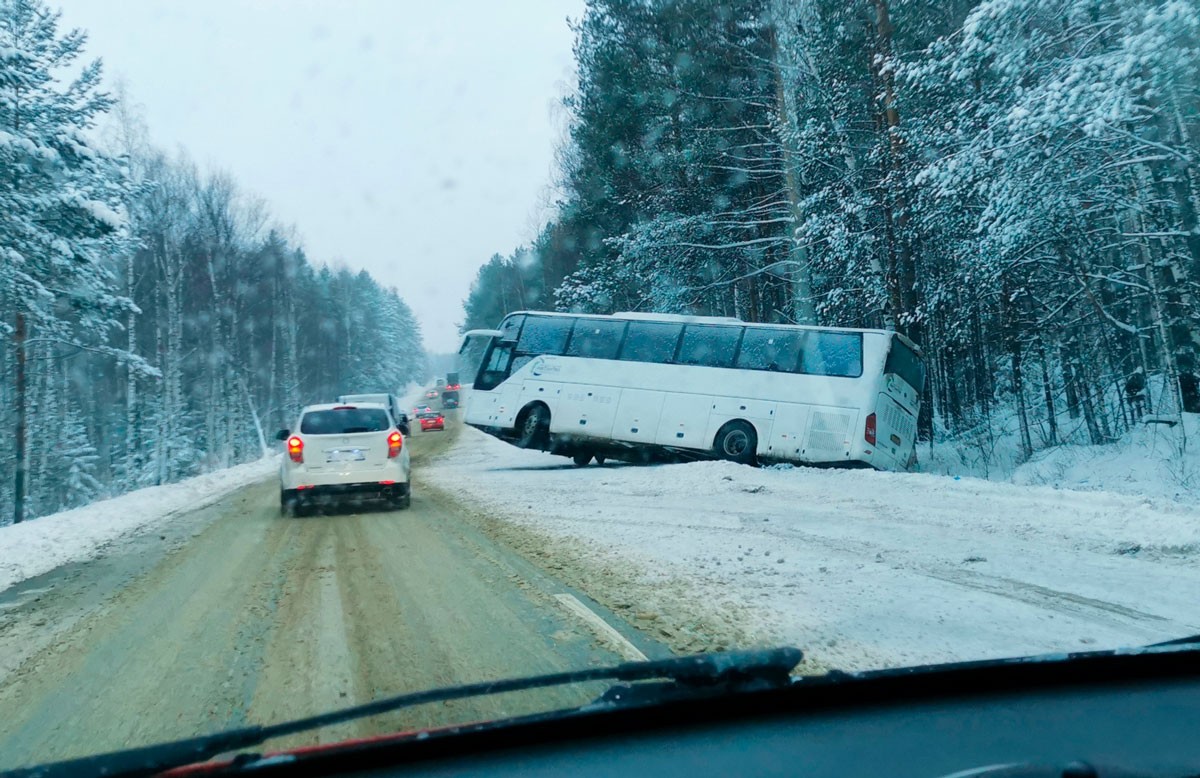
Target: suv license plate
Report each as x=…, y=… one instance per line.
x=346, y=455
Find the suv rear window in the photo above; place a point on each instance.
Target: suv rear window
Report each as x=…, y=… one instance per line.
x=344, y=421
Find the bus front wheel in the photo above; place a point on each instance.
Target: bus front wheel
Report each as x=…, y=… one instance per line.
x=533, y=427
x=737, y=442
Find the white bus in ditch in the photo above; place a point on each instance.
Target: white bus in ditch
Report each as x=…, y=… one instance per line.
x=642, y=385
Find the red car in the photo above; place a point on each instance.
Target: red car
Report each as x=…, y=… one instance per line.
x=432, y=421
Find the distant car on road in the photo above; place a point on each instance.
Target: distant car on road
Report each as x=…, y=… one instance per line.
x=432, y=421
x=432, y=394
x=390, y=400
x=449, y=399
x=343, y=452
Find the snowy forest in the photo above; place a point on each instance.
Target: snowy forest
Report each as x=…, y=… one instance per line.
x=158, y=322
x=1013, y=183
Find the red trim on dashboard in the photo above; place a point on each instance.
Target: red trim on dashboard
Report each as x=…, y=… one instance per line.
x=202, y=768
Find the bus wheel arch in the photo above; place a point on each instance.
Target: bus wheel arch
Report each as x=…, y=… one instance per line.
x=737, y=441
x=533, y=426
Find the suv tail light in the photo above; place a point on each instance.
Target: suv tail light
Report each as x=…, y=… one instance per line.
x=296, y=449
x=395, y=443
x=869, y=431
x=441, y=420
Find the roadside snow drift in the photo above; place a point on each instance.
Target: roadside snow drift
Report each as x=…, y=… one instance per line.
x=860, y=568
x=1155, y=460
x=39, y=545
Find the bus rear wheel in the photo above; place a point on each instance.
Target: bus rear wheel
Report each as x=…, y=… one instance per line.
x=737, y=442
x=533, y=427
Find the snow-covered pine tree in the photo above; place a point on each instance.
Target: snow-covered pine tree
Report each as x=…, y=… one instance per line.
x=60, y=201
x=1062, y=171
x=79, y=460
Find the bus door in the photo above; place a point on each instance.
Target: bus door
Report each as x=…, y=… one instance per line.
x=496, y=365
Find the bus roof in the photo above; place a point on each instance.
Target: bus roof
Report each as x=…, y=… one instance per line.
x=686, y=319
x=681, y=318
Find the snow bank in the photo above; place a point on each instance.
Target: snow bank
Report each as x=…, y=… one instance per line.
x=862, y=568
x=39, y=545
x=1148, y=459
x=1153, y=460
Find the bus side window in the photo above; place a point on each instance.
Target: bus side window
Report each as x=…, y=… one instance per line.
x=709, y=345
x=775, y=350
x=511, y=326
x=544, y=335
x=650, y=341
x=832, y=354
x=596, y=338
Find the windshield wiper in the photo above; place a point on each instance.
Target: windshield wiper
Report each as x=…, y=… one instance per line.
x=703, y=673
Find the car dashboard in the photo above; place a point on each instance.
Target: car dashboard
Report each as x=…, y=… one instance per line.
x=1106, y=715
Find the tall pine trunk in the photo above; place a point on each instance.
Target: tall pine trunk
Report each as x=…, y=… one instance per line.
x=786, y=130
x=19, y=399
x=902, y=271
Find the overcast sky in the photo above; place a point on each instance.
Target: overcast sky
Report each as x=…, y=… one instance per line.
x=413, y=139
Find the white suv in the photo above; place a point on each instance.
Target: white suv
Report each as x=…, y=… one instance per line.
x=343, y=452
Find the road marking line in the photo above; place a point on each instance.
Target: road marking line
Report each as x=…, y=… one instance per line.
x=602, y=628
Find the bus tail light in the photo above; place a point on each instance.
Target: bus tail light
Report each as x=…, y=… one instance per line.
x=395, y=443
x=296, y=449
x=869, y=430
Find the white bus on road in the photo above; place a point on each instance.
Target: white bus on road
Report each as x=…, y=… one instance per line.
x=644, y=385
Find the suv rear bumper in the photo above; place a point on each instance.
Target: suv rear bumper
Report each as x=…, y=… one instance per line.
x=371, y=490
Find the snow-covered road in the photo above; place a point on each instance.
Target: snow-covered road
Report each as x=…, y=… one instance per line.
x=233, y=615
x=861, y=568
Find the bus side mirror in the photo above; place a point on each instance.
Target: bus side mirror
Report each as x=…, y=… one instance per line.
x=282, y=434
